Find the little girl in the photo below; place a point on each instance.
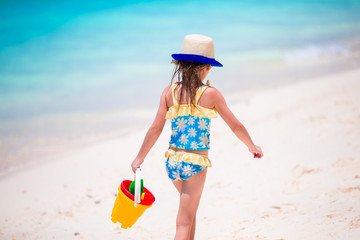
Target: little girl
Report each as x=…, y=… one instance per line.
x=190, y=105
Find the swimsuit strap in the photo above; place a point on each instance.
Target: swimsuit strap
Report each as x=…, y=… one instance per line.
x=200, y=92
x=173, y=88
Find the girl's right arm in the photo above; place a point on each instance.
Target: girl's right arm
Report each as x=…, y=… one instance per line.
x=234, y=124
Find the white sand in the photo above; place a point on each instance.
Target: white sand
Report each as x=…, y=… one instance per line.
x=306, y=187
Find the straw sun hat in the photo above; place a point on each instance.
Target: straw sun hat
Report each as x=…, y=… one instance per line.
x=197, y=48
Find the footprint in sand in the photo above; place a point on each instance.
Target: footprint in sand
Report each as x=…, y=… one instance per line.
x=284, y=208
x=355, y=223
x=299, y=171
x=69, y=214
x=349, y=189
x=343, y=162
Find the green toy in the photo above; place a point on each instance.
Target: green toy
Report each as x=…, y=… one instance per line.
x=132, y=187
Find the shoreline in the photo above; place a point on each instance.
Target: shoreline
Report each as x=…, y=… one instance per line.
x=70, y=138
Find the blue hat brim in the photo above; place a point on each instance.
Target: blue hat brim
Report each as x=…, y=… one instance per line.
x=196, y=58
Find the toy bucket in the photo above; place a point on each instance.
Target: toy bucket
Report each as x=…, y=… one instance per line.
x=126, y=211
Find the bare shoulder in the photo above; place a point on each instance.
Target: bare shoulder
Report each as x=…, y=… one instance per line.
x=213, y=94
x=210, y=97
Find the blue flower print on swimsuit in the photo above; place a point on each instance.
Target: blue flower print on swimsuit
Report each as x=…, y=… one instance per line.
x=191, y=121
x=187, y=170
x=204, y=140
x=181, y=170
x=181, y=124
x=184, y=139
x=202, y=124
x=193, y=145
x=190, y=132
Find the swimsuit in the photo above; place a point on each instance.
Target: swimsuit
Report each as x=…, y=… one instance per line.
x=190, y=125
x=182, y=165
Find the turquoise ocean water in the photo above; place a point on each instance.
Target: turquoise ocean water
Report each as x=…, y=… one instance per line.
x=71, y=71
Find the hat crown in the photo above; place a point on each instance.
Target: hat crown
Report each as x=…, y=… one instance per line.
x=199, y=45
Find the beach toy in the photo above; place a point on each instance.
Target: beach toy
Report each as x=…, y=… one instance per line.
x=129, y=207
x=132, y=187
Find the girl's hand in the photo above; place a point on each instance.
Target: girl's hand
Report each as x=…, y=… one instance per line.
x=136, y=164
x=256, y=151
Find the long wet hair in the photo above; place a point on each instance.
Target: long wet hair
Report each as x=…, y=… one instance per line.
x=189, y=80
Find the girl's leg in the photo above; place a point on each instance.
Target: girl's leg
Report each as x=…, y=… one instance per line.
x=178, y=185
x=190, y=194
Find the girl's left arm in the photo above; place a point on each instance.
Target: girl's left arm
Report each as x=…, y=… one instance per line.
x=153, y=133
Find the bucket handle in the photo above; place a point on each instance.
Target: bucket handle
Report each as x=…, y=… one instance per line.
x=137, y=187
